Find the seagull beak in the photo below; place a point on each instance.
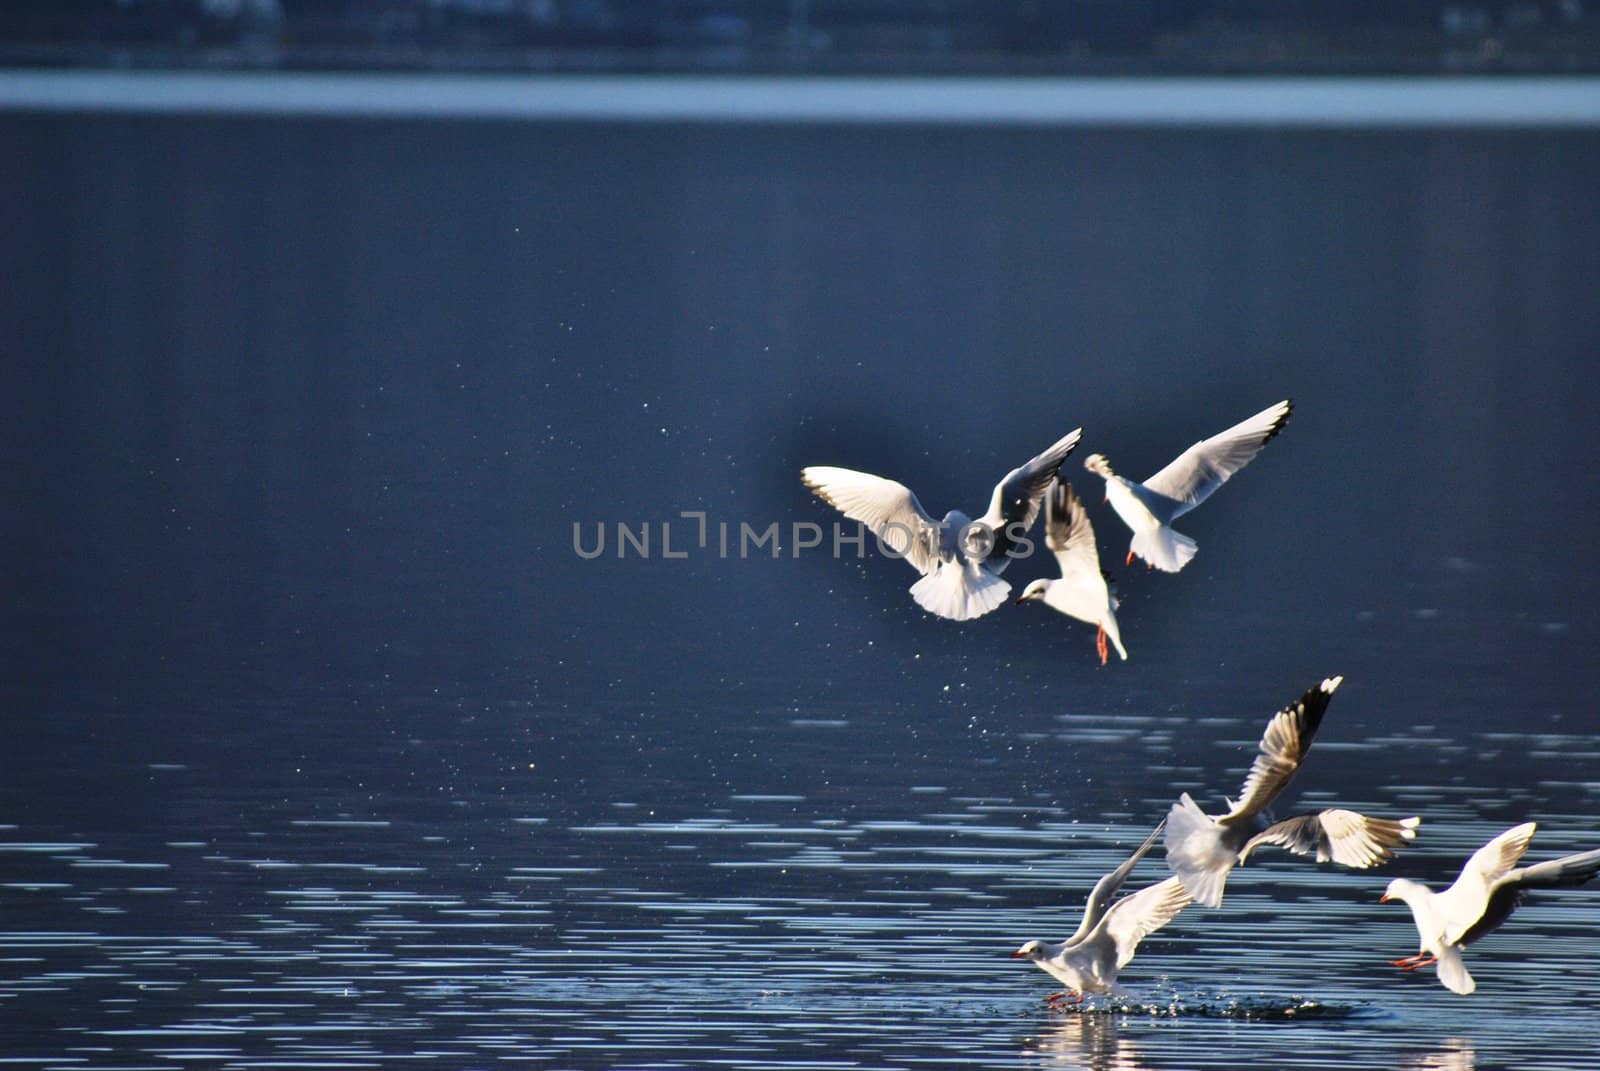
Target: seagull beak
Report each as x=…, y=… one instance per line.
x=1384, y=899
x=1018, y=955
x=1019, y=600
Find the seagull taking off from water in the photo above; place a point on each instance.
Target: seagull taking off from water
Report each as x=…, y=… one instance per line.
x=1149, y=508
x=1088, y=961
x=1081, y=591
x=960, y=559
x=1202, y=849
x=1490, y=888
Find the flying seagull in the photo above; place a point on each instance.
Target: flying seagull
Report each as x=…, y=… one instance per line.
x=1081, y=591
x=1490, y=888
x=1149, y=508
x=960, y=560
x=1201, y=849
x=1104, y=942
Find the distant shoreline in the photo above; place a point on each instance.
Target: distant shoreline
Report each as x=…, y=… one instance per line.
x=1223, y=101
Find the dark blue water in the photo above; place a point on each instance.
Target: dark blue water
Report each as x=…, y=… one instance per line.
x=324, y=749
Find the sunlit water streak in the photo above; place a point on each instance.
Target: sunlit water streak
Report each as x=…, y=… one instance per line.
x=779, y=930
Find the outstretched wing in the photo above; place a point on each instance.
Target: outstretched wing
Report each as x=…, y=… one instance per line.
x=1508, y=894
x=888, y=508
x=1283, y=745
x=1338, y=836
x=1465, y=906
x=1106, y=889
x=1194, y=474
x=1017, y=498
x=1070, y=536
x=1133, y=918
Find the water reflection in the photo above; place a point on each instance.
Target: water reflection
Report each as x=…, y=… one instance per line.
x=1092, y=1042
x=1456, y=1054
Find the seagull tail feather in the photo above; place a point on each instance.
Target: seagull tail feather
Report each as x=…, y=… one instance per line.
x=1164, y=548
x=960, y=591
x=1453, y=972
x=1195, y=852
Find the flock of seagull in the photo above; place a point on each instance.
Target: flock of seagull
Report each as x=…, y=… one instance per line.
x=961, y=560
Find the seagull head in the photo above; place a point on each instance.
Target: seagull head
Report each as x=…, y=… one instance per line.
x=1033, y=950
x=1097, y=463
x=1399, y=889
x=1034, y=590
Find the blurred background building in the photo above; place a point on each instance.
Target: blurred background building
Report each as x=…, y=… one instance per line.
x=833, y=36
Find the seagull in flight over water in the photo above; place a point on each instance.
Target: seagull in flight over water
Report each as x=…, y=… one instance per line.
x=1149, y=508
x=1082, y=590
x=960, y=559
x=1104, y=942
x=1202, y=849
x=1490, y=888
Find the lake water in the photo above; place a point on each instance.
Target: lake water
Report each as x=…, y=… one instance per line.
x=323, y=747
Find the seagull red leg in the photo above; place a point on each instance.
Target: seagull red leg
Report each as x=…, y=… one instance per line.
x=1130, y=558
x=1100, y=645
x=1416, y=962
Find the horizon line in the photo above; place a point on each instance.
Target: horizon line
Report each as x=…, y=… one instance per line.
x=1241, y=101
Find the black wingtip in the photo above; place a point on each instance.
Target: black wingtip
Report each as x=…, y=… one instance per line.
x=1314, y=704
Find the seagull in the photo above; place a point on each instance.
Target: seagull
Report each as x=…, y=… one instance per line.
x=1104, y=942
x=960, y=559
x=1148, y=508
x=1490, y=888
x=1082, y=591
x=1201, y=849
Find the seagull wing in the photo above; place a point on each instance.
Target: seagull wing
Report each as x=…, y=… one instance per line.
x=1558, y=873
x=1465, y=906
x=1194, y=474
x=1283, y=746
x=1342, y=837
x=1106, y=889
x=1070, y=536
x=1133, y=918
x=1017, y=498
x=1509, y=893
x=888, y=508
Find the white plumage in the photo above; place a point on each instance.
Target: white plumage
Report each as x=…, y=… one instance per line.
x=1491, y=886
x=1106, y=939
x=1149, y=508
x=1081, y=591
x=960, y=559
x=1202, y=850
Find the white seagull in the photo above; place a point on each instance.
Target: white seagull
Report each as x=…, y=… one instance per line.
x=960, y=560
x=1150, y=507
x=1104, y=942
x=1082, y=591
x=1202, y=849
x=1490, y=888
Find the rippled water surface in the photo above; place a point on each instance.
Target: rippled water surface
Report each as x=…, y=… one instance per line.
x=321, y=747
x=489, y=917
